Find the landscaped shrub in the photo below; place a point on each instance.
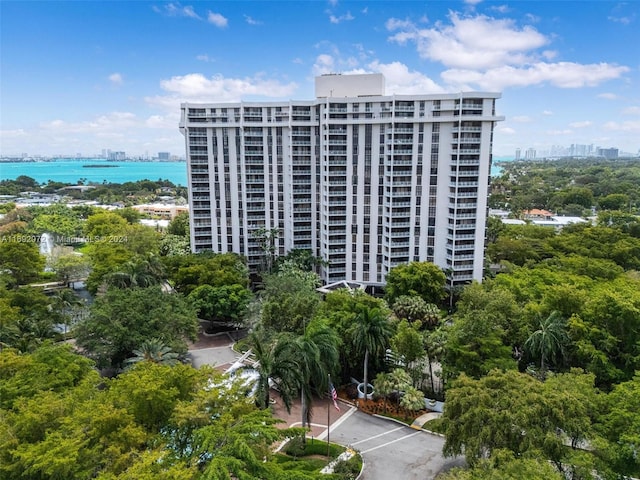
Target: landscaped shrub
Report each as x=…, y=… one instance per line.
x=349, y=469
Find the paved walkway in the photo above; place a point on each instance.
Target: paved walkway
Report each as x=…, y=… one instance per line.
x=422, y=419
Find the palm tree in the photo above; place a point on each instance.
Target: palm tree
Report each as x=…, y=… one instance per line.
x=550, y=339
x=370, y=335
x=154, y=350
x=434, y=343
x=319, y=357
x=277, y=360
x=140, y=273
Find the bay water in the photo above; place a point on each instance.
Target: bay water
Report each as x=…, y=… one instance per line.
x=91, y=170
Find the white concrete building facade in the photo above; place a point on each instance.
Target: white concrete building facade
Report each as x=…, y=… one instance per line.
x=364, y=181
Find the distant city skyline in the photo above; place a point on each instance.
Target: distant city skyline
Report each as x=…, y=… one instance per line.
x=113, y=73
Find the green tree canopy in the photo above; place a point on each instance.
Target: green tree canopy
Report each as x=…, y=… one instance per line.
x=227, y=303
x=179, y=225
x=152, y=422
x=216, y=269
x=423, y=279
x=287, y=301
x=21, y=260
x=516, y=412
x=121, y=320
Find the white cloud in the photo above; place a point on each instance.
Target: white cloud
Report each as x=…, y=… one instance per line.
x=205, y=58
x=116, y=79
x=324, y=64
x=396, y=24
x=628, y=126
x=478, y=42
x=623, y=20
x=631, y=111
x=547, y=113
x=18, y=132
x=252, y=21
x=559, y=132
x=532, y=18
x=342, y=18
x=195, y=87
x=560, y=74
x=102, y=125
x=607, y=96
x=500, y=8
x=582, y=124
x=176, y=10
x=217, y=19
x=400, y=80
x=521, y=119
x=507, y=130
x=162, y=121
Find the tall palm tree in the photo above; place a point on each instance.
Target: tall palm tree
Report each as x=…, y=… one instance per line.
x=549, y=340
x=370, y=336
x=154, y=350
x=277, y=360
x=319, y=357
x=434, y=343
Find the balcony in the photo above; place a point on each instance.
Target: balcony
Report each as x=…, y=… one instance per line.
x=473, y=161
x=471, y=106
x=462, y=215
x=467, y=151
x=464, y=184
x=464, y=129
x=461, y=236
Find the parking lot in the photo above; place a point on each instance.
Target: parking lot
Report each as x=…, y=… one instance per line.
x=391, y=450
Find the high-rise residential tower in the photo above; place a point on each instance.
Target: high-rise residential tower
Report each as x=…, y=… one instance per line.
x=363, y=180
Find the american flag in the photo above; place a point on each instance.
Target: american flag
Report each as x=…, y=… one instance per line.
x=334, y=396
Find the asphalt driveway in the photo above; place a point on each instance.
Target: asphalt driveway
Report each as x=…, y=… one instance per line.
x=391, y=450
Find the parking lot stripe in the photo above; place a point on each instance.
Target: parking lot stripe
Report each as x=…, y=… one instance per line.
x=389, y=443
x=379, y=435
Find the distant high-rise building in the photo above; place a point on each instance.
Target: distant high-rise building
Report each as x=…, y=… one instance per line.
x=518, y=153
x=116, y=155
x=362, y=180
x=607, y=152
x=530, y=154
x=164, y=156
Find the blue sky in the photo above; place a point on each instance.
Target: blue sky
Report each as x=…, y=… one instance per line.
x=82, y=76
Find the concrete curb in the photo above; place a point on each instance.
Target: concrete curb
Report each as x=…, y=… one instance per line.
x=404, y=424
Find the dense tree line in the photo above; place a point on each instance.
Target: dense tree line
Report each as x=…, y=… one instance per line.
x=568, y=186
x=128, y=193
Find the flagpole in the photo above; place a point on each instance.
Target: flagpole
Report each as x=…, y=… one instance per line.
x=329, y=422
